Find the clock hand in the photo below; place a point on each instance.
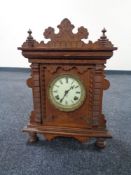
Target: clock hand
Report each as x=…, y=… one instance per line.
x=66, y=92
x=70, y=88
x=63, y=96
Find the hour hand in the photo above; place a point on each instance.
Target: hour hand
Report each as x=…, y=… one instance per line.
x=63, y=96
x=66, y=92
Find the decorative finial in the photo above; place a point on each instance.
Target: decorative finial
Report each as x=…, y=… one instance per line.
x=103, y=41
x=103, y=37
x=30, y=39
x=104, y=31
x=30, y=36
x=29, y=31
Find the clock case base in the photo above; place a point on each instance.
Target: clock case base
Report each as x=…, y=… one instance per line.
x=82, y=135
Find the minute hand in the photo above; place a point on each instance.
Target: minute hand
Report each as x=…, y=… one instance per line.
x=66, y=92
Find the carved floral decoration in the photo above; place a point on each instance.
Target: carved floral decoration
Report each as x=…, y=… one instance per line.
x=66, y=39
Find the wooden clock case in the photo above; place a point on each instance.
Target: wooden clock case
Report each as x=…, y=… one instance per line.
x=66, y=53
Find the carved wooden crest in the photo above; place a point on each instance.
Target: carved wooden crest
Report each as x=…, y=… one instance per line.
x=66, y=39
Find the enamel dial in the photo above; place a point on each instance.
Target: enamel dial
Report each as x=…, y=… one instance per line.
x=67, y=92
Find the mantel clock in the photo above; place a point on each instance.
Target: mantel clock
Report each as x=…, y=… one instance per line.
x=67, y=81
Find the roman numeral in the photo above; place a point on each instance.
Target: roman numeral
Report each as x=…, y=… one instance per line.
x=66, y=102
x=55, y=91
x=77, y=92
x=57, y=97
x=76, y=98
x=66, y=79
x=61, y=82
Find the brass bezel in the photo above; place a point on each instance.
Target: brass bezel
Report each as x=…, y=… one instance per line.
x=58, y=105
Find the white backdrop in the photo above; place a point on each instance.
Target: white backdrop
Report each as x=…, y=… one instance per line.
x=17, y=16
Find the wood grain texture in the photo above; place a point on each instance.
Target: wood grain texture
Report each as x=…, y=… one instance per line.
x=66, y=53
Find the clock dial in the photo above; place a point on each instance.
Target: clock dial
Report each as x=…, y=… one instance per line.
x=66, y=92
